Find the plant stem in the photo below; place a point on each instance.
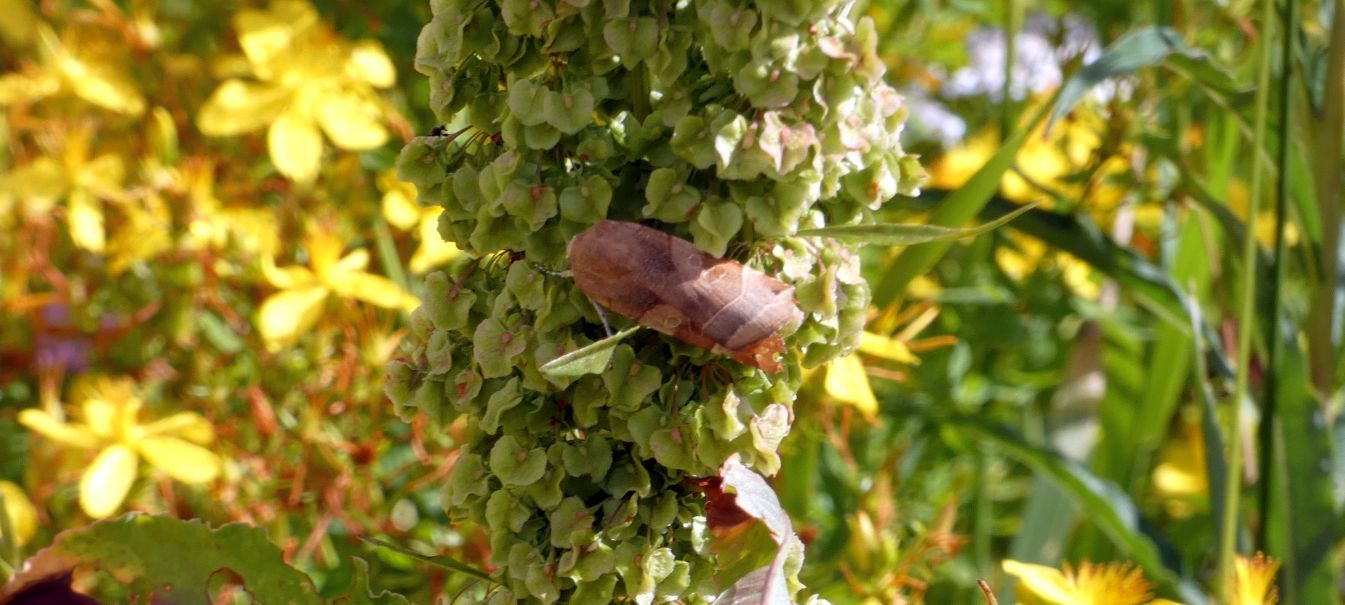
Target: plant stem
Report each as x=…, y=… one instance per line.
x=1270, y=405
x=1012, y=23
x=1246, y=315
x=1326, y=167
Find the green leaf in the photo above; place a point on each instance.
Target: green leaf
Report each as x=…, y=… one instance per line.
x=157, y=554
x=363, y=594
x=515, y=465
x=1110, y=509
x=1145, y=47
x=892, y=234
x=591, y=359
x=440, y=561
x=958, y=208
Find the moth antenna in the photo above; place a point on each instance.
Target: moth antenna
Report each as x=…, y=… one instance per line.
x=544, y=270
x=606, y=327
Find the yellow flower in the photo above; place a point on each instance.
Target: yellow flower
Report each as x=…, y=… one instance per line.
x=846, y=382
x=145, y=234
x=211, y=225
x=1090, y=584
x=21, y=512
x=112, y=429
x=85, y=61
x=287, y=314
x=307, y=82
x=1256, y=580
x=402, y=211
x=1181, y=478
x=75, y=178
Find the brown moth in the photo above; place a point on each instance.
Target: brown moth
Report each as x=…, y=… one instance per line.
x=674, y=287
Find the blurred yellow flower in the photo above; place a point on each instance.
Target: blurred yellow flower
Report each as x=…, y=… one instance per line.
x=402, y=211
x=86, y=61
x=307, y=82
x=1256, y=580
x=1181, y=478
x=112, y=429
x=287, y=314
x=75, y=178
x=846, y=382
x=144, y=234
x=1026, y=255
x=21, y=512
x=1090, y=584
x=211, y=225
x=1048, y=159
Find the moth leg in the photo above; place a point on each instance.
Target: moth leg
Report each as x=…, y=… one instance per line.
x=606, y=327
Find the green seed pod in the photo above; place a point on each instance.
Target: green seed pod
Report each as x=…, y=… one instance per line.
x=730, y=124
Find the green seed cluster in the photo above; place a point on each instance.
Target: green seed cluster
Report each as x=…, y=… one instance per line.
x=730, y=123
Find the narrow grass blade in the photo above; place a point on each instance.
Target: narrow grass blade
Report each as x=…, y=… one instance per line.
x=1105, y=505
x=892, y=234
x=444, y=562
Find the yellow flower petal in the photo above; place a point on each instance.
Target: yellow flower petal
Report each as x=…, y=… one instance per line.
x=286, y=315
x=20, y=510
x=373, y=289
x=187, y=425
x=266, y=34
x=27, y=87
x=354, y=262
x=84, y=215
x=847, y=382
x=39, y=183
x=295, y=146
x=887, y=348
x=70, y=434
x=352, y=121
x=237, y=107
x=400, y=208
x=1256, y=579
x=183, y=461
x=433, y=250
x=288, y=277
x=103, y=84
x=324, y=250
x=1040, y=583
x=106, y=482
x=369, y=63
x=102, y=176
